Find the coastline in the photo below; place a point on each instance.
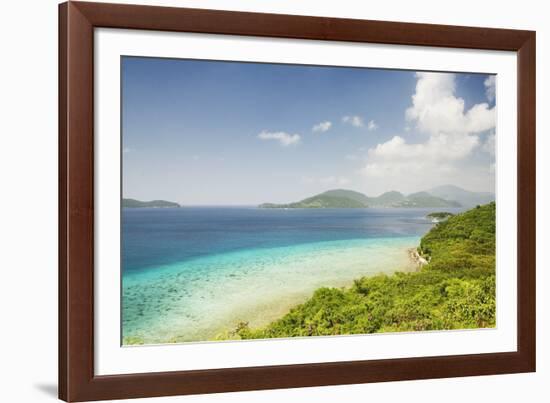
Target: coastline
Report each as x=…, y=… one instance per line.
x=456, y=291
x=415, y=257
x=278, y=309
x=275, y=281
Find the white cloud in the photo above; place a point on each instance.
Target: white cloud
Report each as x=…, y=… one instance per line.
x=436, y=109
x=372, y=125
x=355, y=121
x=490, y=87
x=283, y=138
x=397, y=157
x=489, y=145
x=322, y=127
x=479, y=119
x=452, y=136
x=126, y=150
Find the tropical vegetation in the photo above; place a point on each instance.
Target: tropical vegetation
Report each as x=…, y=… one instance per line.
x=455, y=290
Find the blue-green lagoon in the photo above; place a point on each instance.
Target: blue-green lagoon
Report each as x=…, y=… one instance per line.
x=194, y=273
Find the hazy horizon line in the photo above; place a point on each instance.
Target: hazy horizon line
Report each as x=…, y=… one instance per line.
x=248, y=204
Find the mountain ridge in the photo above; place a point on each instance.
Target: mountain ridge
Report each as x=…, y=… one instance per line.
x=466, y=198
x=345, y=198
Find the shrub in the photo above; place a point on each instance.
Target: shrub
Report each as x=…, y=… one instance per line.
x=455, y=290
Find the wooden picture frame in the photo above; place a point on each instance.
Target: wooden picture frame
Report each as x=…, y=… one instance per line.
x=77, y=381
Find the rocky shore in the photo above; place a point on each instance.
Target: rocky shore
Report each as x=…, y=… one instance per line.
x=416, y=258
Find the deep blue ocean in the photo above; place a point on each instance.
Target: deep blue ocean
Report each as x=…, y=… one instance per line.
x=153, y=236
x=193, y=273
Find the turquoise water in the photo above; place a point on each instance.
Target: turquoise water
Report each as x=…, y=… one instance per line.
x=193, y=274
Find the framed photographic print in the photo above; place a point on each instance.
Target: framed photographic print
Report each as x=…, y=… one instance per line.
x=257, y=201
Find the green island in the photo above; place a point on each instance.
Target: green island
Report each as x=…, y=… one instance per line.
x=133, y=203
x=454, y=290
x=440, y=197
x=331, y=199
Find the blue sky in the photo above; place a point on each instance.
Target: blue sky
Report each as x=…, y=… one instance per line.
x=230, y=133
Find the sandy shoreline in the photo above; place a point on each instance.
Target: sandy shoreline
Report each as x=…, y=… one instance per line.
x=259, y=316
x=257, y=288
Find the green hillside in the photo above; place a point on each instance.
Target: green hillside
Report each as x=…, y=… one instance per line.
x=320, y=201
x=348, y=194
x=455, y=290
x=338, y=198
x=464, y=197
x=424, y=199
x=342, y=198
x=133, y=203
x=387, y=199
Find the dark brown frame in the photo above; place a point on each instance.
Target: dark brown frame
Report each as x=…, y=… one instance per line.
x=77, y=21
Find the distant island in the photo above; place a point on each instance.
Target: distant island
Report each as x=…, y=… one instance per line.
x=133, y=203
x=438, y=197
